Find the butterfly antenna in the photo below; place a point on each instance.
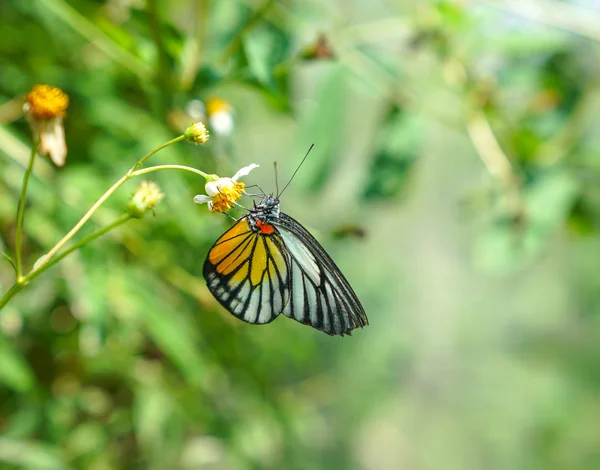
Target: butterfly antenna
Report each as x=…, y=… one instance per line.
x=305, y=156
x=276, y=178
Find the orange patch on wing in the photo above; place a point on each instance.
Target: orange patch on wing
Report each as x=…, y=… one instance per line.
x=229, y=241
x=236, y=258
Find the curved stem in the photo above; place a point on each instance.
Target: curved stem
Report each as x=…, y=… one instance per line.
x=14, y=290
x=21, y=210
x=83, y=220
x=168, y=167
x=157, y=149
x=85, y=240
x=20, y=284
x=103, y=198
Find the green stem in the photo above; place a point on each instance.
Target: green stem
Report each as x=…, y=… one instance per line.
x=150, y=169
x=148, y=155
x=21, y=211
x=84, y=219
x=130, y=174
x=20, y=284
x=85, y=240
x=14, y=290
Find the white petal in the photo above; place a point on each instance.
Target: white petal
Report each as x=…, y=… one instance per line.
x=52, y=141
x=202, y=199
x=244, y=171
x=212, y=188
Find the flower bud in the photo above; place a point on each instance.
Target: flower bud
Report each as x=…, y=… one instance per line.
x=196, y=133
x=145, y=198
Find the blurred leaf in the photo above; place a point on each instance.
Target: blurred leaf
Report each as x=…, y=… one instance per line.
x=152, y=413
x=550, y=198
x=15, y=373
x=397, y=146
x=322, y=126
x=505, y=246
x=30, y=455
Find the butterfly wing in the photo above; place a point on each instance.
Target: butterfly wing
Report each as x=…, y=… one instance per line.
x=247, y=272
x=319, y=294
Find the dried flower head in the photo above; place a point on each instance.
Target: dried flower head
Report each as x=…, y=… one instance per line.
x=222, y=193
x=145, y=198
x=196, y=133
x=45, y=107
x=319, y=49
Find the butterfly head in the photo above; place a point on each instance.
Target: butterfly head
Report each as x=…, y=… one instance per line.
x=268, y=207
x=266, y=211
x=270, y=202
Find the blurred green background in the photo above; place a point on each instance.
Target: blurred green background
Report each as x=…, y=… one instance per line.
x=455, y=180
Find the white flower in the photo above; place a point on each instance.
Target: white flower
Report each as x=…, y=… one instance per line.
x=221, y=122
x=220, y=116
x=222, y=193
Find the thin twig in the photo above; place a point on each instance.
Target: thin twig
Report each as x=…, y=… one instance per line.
x=495, y=160
x=39, y=268
x=85, y=240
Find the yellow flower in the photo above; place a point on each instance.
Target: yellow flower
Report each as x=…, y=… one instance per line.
x=145, y=198
x=45, y=107
x=220, y=116
x=196, y=133
x=222, y=193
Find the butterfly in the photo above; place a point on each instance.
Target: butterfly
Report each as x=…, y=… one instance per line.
x=268, y=264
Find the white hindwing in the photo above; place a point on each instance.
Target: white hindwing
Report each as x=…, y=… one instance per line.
x=319, y=295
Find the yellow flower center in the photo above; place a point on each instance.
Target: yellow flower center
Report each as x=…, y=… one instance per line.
x=47, y=102
x=215, y=105
x=227, y=196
